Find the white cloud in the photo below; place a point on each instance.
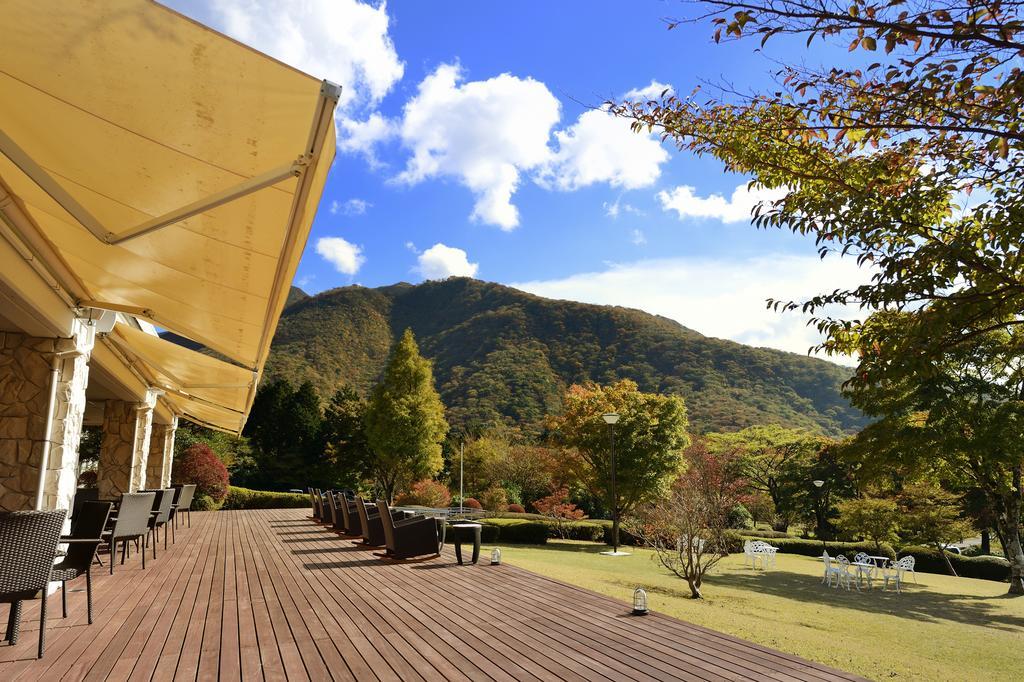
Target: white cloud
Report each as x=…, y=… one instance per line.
x=613, y=210
x=736, y=209
x=440, y=261
x=356, y=206
x=483, y=133
x=362, y=137
x=344, y=41
x=411, y=246
x=638, y=237
x=345, y=256
x=601, y=147
x=720, y=298
x=650, y=92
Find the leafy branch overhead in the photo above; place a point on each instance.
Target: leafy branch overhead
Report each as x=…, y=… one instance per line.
x=912, y=165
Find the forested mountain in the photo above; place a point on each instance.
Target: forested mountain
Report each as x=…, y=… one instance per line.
x=500, y=353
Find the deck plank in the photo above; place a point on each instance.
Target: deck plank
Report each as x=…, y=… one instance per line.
x=272, y=595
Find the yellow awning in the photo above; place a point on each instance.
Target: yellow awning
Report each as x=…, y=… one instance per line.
x=198, y=386
x=169, y=172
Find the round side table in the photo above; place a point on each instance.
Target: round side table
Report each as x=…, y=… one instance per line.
x=464, y=532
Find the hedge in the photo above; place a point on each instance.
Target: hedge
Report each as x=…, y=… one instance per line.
x=813, y=547
x=519, y=531
x=761, y=534
x=243, y=498
x=928, y=560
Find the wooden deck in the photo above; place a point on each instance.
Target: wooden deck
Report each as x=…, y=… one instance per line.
x=271, y=595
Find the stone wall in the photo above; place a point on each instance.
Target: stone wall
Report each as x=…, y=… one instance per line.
x=26, y=377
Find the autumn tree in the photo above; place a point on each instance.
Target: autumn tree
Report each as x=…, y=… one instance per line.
x=911, y=164
x=687, y=529
x=405, y=422
x=650, y=437
x=775, y=461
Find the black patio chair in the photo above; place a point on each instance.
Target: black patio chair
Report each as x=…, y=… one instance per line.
x=409, y=537
x=28, y=544
x=335, y=502
x=350, y=517
x=372, y=526
x=318, y=509
x=82, y=544
x=130, y=523
x=183, y=503
x=160, y=514
x=82, y=495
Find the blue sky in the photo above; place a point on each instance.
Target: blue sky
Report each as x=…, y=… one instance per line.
x=471, y=142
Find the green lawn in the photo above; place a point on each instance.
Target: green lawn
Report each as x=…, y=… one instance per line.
x=943, y=628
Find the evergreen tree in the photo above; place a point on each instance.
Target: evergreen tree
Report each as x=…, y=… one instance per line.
x=346, y=453
x=405, y=423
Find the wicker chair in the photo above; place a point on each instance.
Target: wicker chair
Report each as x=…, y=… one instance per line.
x=337, y=502
x=350, y=517
x=82, y=544
x=160, y=514
x=28, y=544
x=409, y=537
x=372, y=526
x=318, y=508
x=82, y=495
x=130, y=523
x=183, y=503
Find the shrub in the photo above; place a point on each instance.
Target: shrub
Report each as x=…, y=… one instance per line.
x=243, y=498
x=927, y=560
x=472, y=503
x=739, y=517
x=516, y=509
x=199, y=465
x=520, y=531
x=426, y=493
x=558, y=511
x=494, y=500
x=87, y=479
x=589, y=531
x=203, y=503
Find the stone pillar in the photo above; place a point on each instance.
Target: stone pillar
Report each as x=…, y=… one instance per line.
x=169, y=456
x=161, y=451
x=125, y=446
x=29, y=375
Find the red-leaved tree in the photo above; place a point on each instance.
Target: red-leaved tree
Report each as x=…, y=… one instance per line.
x=199, y=465
x=687, y=530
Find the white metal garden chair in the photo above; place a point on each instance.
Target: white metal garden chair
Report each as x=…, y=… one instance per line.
x=831, y=570
x=867, y=572
x=843, y=573
x=896, y=570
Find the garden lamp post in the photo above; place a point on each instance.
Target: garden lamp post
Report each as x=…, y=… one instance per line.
x=611, y=419
x=817, y=497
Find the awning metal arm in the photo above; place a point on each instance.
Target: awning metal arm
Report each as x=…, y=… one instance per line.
x=45, y=181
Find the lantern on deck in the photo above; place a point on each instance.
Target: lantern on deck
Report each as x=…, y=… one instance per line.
x=639, y=602
x=495, y=556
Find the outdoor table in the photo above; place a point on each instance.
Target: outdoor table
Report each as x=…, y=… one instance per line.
x=879, y=560
x=863, y=568
x=461, y=531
